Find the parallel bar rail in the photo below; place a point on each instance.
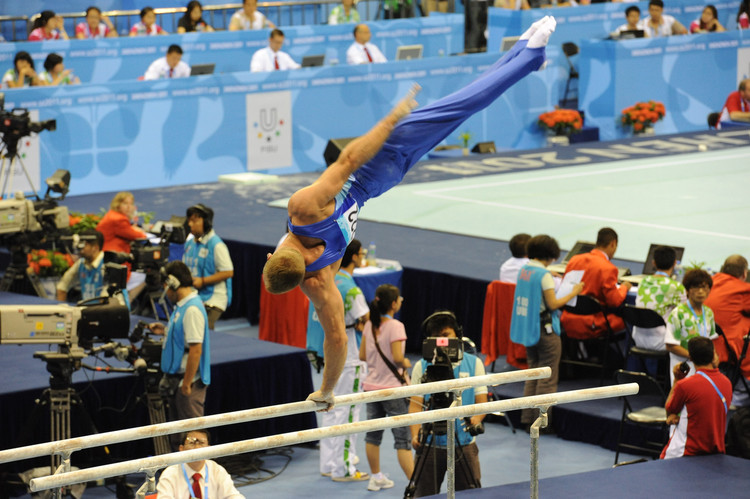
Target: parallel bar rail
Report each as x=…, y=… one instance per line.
x=292, y=438
x=78, y=443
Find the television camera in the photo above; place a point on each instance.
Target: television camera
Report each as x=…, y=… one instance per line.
x=16, y=124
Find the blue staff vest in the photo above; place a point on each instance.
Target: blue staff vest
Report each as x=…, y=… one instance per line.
x=92, y=280
x=174, y=345
x=199, y=257
x=527, y=302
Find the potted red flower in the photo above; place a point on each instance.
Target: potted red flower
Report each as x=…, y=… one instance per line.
x=561, y=123
x=642, y=116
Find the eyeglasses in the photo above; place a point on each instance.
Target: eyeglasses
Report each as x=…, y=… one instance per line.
x=195, y=442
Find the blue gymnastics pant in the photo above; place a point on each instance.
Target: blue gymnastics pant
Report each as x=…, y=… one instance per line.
x=426, y=127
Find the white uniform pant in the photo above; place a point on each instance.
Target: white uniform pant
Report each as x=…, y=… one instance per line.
x=337, y=454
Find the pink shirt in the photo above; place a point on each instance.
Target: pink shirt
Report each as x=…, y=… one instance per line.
x=101, y=32
x=39, y=34
x=378, y=374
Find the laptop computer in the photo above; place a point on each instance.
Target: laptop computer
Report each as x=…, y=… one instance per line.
x=507, y=43
x=648, y=265
x=409, y=52
x=312, y=61
x=578, y=248
x=631, y=33
x=202, y=69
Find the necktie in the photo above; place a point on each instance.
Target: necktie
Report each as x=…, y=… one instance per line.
x=197, y=485
x=367, y=53
x=171, y=72
x=276, y=62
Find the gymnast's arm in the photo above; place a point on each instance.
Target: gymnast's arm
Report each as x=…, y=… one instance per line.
x=318, y=195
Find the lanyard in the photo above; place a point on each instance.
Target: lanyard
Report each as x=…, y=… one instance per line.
x=703, y=312
x=386, y=315
x=205, y=481
x=659, y=272
x=721, y=396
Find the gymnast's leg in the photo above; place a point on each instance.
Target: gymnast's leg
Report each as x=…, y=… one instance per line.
x=426, y=127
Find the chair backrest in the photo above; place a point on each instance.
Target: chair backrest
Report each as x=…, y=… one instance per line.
x=586, y=305
x=713, y=119
x=647, y=385
x=641, y=317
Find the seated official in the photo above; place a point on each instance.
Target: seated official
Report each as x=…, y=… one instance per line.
x=272, y=58
x=512, y=266
x=468, y=475
x=88, y=270
x=169, y=66
x=205, y=479
x=661, y=293
x=207, y=257
x=600, y=282
x=362, y=51
x=698, y=405
x=737, y=105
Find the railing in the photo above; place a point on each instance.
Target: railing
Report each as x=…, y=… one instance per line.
x=64, y=477
x=298, y=12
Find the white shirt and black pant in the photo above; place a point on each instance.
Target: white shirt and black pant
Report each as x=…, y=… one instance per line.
x=367, y=53
x=160, y=69
x=180, y=481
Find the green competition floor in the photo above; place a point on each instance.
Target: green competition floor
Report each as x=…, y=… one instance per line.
x=700, y=201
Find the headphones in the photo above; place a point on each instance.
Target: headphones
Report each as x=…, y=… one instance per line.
x=206, y=213
x=170, y=280
x=440, y=320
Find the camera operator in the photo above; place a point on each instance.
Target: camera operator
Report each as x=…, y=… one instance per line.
x=88, y=270
x=208, y=259
x=185, y=359
x=444, y=324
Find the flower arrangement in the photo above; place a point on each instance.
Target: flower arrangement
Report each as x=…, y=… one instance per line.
x=643, y=115
x=83, y=221
x=464, y=137
x=561, y=121
x=46, y=263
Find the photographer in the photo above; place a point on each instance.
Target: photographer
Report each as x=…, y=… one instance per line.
x=209, y=262
x=443, y=324
x=185, y=355
x=88, y=270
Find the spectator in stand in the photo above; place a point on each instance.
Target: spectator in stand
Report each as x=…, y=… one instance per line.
x=48, y=26
x=510, y=268
x=97, y=25
x=248, y=18
x=633, y=18
x=193, y=19
x=737, y=106
x=272, y=58
x=362, y=51
x=398, y=9
x=707, y=22
x=55, y=73
x=743, y=15
x=22, y=74
x=503, y=4
x=147, y=26
x=169, y=66
x=659, y=24
x=345, y=13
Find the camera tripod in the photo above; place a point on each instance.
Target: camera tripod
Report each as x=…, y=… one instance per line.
x=17, y=274
x=156, y=410
x=427, y=450
x=8, y=156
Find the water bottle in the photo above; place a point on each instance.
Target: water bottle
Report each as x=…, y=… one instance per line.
x=371, y=257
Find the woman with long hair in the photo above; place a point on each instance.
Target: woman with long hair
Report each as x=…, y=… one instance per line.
x=708, y=22
x=48, y=26
x=192, y=20
x=383, y=345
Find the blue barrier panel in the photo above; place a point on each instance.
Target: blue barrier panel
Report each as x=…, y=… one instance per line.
x=595, y=21
x=100, y=61
x=692, y=76
x=129, y=135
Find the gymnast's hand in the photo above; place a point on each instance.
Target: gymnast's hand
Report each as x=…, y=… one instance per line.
x=405, y=105
x=322, y=398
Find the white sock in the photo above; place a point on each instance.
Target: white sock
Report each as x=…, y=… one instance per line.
x=542, y=34
x=527, y=34
x=378, y=476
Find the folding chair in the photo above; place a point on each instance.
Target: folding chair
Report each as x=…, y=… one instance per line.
x=567, y=102
x=644, y=410
x=588, y=305
x=647, y=319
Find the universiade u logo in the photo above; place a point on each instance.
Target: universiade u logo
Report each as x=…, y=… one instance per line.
x=267, y=123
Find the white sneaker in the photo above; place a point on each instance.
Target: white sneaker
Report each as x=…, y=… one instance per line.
x=379, y=483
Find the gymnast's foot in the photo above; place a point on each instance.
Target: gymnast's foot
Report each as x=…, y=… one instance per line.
x=543, y=31
x=535, y=26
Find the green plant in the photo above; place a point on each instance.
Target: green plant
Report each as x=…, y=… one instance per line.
x=465, y=137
